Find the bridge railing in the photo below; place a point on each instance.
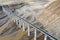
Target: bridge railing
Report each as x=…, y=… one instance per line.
x=31, y=25
x=36, y=29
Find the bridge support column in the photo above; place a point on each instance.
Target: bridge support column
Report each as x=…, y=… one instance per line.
x=23, y=27
x=28, y=31
x=45, y=37
x=35, y=33
x=14, y=20
x=19, y=24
